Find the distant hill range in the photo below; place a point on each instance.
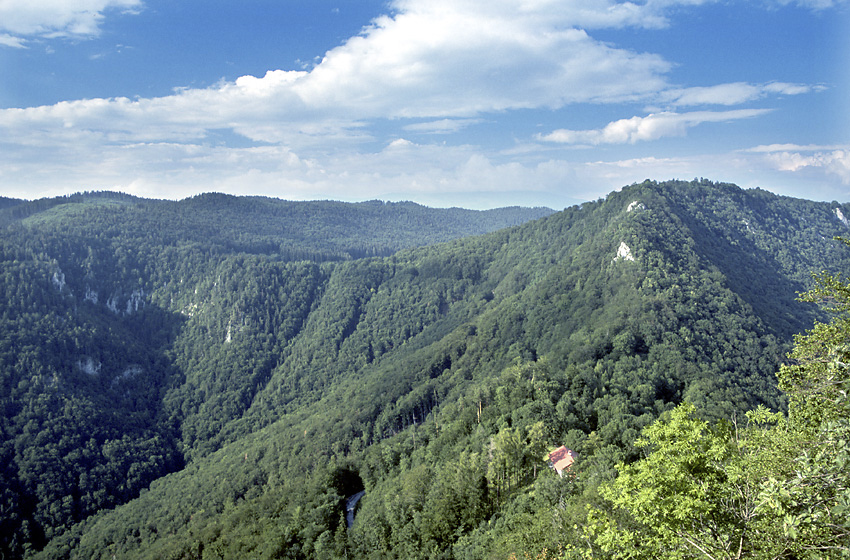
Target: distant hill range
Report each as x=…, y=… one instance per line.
x=212, y=377
x=319, y=230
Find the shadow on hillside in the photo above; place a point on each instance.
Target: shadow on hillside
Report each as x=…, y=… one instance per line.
x=757, y=276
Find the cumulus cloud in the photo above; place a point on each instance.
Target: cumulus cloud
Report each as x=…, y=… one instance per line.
x=449, y=60
x=651, y=127
x=254, y=107
x=56, y=18
x=455, y=58
x=833, y=160
x=440, y=59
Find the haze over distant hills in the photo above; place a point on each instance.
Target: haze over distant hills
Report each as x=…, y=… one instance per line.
x=212, y=377
x=267, y=225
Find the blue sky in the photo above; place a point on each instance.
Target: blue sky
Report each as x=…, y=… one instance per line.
x=474, y=103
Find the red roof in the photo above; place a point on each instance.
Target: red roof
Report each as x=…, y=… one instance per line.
x=562, y=458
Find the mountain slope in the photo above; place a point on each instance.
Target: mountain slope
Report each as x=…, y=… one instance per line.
x=434, y=377
x=108, y=304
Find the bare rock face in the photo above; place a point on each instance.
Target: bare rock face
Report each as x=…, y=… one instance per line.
x=89, y=366
x=624, y=252
x=841, y=217
x=91, y=295
x=58, y=280
x=135, y=301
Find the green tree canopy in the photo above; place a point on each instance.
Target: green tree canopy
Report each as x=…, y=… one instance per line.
x=776, y=487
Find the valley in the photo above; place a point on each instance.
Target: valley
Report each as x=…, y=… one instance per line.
x=211, y=378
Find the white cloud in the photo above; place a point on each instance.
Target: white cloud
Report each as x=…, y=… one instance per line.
x=12, y=41
x=402, y=170
x=449, y=60
x=447, y=64
x=651, y=127
x=732, y=93
x=816, y=5
x=442, y=126
x=783, y=88
x=721, y=94
x=400, y=144
x=57, y=18
x=435, y=174
x=770, y=148
x=747, y=169
x=440, y=59
x=462, y=58
x=832, y=160
x=595, y=14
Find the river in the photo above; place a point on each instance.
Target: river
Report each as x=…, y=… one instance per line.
x=350, y=505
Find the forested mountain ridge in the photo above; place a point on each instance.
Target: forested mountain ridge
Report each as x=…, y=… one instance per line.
x=271, y=387
x=92, y=303
x=6, y=202
x=285, y=230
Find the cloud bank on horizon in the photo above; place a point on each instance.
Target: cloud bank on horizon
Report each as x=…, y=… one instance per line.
x=452, y=102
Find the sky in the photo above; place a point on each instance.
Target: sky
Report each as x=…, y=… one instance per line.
x=472, y=103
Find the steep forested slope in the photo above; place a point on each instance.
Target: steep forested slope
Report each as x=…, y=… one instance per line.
x=437, y=377
x=766, y=486
x=109, y=304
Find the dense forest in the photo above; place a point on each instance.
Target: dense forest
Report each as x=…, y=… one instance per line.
x=211, y=378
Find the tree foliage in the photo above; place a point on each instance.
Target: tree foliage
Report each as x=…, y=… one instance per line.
x=212, y=377
x=778, y=487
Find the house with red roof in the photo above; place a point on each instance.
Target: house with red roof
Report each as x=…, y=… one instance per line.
x=561, y=459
